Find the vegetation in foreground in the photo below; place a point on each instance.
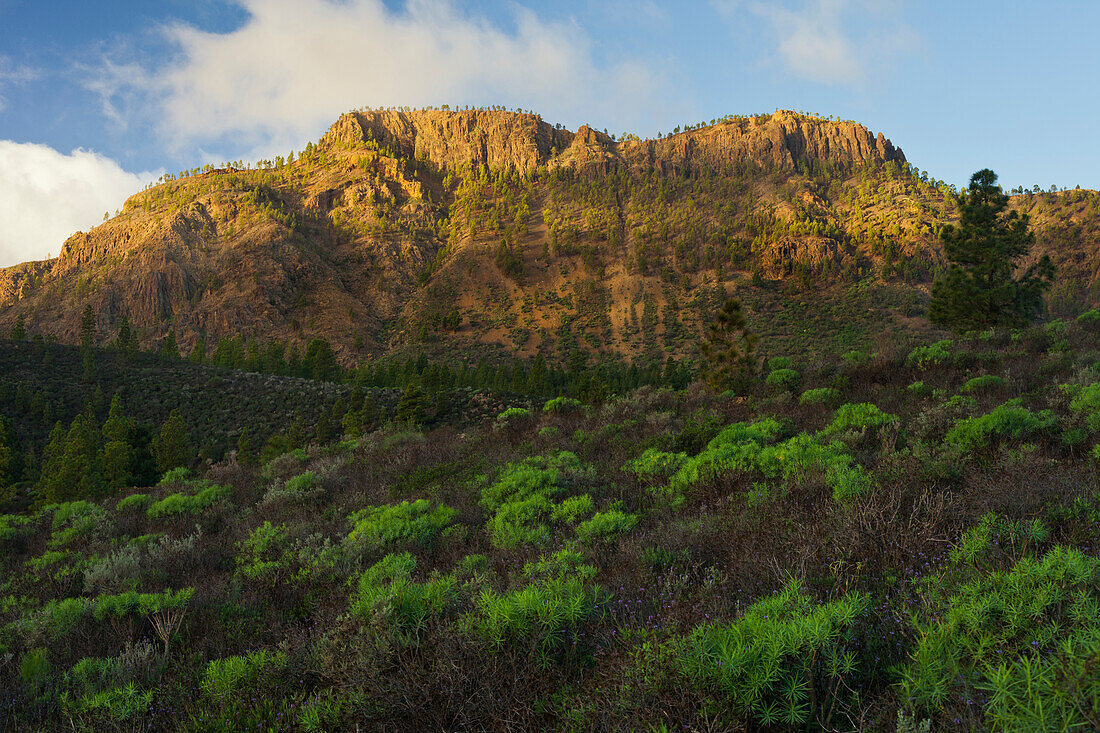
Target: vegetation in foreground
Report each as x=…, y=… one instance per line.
x=901, y=540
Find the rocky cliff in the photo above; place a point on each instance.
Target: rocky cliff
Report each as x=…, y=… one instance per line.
x=474, y=232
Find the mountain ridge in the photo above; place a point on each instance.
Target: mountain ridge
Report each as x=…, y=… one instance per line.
x=483, y=231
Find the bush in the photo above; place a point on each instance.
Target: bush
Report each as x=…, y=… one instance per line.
x=562, y=405
x=513, y=418
x=1026, y=638
x=542, y=614
x=606, y=524
x=781, y=658
x=130, y=603
x=1087, y=404
x=178, y=475
x=387, y=593
x=75, y=520
x=303, y=487
x=1010, y=420
x=787, y=379
x=178, y=504
x=1089, y=319
x=861, y=416
x=779, y=362
x=12, y=526
x=572, y=509
x=230, y=677
x=655, y=464
x=848, y=482
x=820, y=396
x=983, y=383
x=416, y=523
x=133, y=502
x=52, y=621
x=935, y=354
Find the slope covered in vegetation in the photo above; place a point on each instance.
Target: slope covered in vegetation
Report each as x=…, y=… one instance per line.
x=900, y=535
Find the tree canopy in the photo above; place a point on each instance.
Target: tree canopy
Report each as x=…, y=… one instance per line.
x=978, y=290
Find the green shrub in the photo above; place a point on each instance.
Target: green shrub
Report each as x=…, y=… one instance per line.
x=387, y=593
x=381, y=527
x=131, y=603
x=34, y=668
x=1086, y=403
x=562, y=405
x=787, y=379
x=133, y=502
x=12, y=526
x=520, y=499
x=779, y=362
x=983, y=383
x=227, y=678
x=178, y=475
x=655, y=464
x=1028, y=638
x=919, y=389
x=820, y=396
x=75, y=520
x=513, y=418
x=935, y=354
x=178, y=504
x=1010, y=420
x=861, y=416
x=848, y=482
x=1089, y=319
x=265, y=555
x=544, y=614
x=548, y=431
x=606, y=524
x=118, y=704
x=779, y=660
x=572, y=509
x=52, y=621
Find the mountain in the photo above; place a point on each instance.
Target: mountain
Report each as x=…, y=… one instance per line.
x=481, y=232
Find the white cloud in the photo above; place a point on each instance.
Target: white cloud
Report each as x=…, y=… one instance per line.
x=295, y=65
x=45, y=196
x=11, y=73
x=832, y=41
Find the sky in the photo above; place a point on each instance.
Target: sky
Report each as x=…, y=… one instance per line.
x=99, y=98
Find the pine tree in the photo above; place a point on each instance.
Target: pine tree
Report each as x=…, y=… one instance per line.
x=19, y=330
x=74, y=467
x=172, y=445
x=978, y=290
x=118, y=452
x=245, y=452
x=729, y=349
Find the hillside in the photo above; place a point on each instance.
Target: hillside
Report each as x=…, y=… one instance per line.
x=466, y=233
x=903, y=540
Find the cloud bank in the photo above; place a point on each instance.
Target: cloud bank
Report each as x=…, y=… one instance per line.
x=295, y=65
x=45, y=196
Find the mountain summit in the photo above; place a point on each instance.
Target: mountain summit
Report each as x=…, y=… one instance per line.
x=472, y=231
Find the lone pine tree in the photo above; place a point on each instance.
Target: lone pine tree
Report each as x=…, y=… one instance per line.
x=729, y=349
x=978, y=290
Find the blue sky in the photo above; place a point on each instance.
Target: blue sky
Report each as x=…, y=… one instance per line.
x=98, y=98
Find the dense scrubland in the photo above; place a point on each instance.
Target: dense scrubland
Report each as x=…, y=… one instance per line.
x=902, y=538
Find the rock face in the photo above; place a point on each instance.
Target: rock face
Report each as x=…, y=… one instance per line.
x=468, y=231
x=524, y=141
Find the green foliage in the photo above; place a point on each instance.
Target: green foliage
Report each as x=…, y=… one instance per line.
x=606, y=524
x=520, y=499
x=1027, y=637
x=779, y=362
x=570, y=510
x=133, y=502
x=978, y=290
x=56, y=619
x=935, y=354
x=172, y=446
x=34, y=668
x=178, y=504
x=178, y=475
x=227, y=678
x=786, y=379
x=131, y=603
x=513, y=418
x=75, y=520
x=784, y=662
x=848, y=482
x=820, y=396
x=13, y=526
x=544, y=615
x=984, y=383
x=561, y=405
x=860, y=416
x=1087, y=404
x=729, y=349
x=1010, y=420
x=387, y=594
x=382, y=527
x=655, y=464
